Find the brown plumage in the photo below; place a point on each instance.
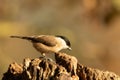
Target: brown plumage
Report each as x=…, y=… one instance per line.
x=47, y=43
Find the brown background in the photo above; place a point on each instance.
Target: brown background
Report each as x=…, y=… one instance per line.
x=93, y=27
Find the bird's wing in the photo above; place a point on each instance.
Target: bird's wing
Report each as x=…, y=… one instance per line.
x=47, y=40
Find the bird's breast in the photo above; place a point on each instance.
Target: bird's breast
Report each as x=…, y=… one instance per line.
x=46, y=49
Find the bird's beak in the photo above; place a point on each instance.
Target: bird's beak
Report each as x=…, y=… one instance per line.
x=69, y=48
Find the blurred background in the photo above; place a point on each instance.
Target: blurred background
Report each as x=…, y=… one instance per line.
x=93, y=27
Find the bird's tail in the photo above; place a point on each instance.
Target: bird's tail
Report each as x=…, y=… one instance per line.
x=23, y=37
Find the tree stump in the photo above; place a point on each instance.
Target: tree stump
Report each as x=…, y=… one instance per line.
x=66, y=67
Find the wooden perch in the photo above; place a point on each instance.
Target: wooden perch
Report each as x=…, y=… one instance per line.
x=66, y=67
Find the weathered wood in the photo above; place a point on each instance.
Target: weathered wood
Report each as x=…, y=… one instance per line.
x=66, y=67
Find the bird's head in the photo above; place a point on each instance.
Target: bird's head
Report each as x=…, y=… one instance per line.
x=65, y=42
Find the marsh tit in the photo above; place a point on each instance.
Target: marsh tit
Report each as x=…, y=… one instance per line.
x=47, y=43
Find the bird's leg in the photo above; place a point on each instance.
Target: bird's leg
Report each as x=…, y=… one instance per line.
x=43, y=54
x=45, y=57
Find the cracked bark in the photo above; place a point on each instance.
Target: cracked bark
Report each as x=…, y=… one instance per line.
x=66, y=67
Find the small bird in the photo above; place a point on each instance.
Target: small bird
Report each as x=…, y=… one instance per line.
x=47, y=43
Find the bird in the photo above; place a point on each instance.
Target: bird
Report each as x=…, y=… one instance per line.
x=47, y=43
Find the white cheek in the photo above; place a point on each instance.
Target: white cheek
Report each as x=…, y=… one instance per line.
x=62, y=43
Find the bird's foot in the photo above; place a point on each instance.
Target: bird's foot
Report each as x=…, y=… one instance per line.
x=46, y=58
